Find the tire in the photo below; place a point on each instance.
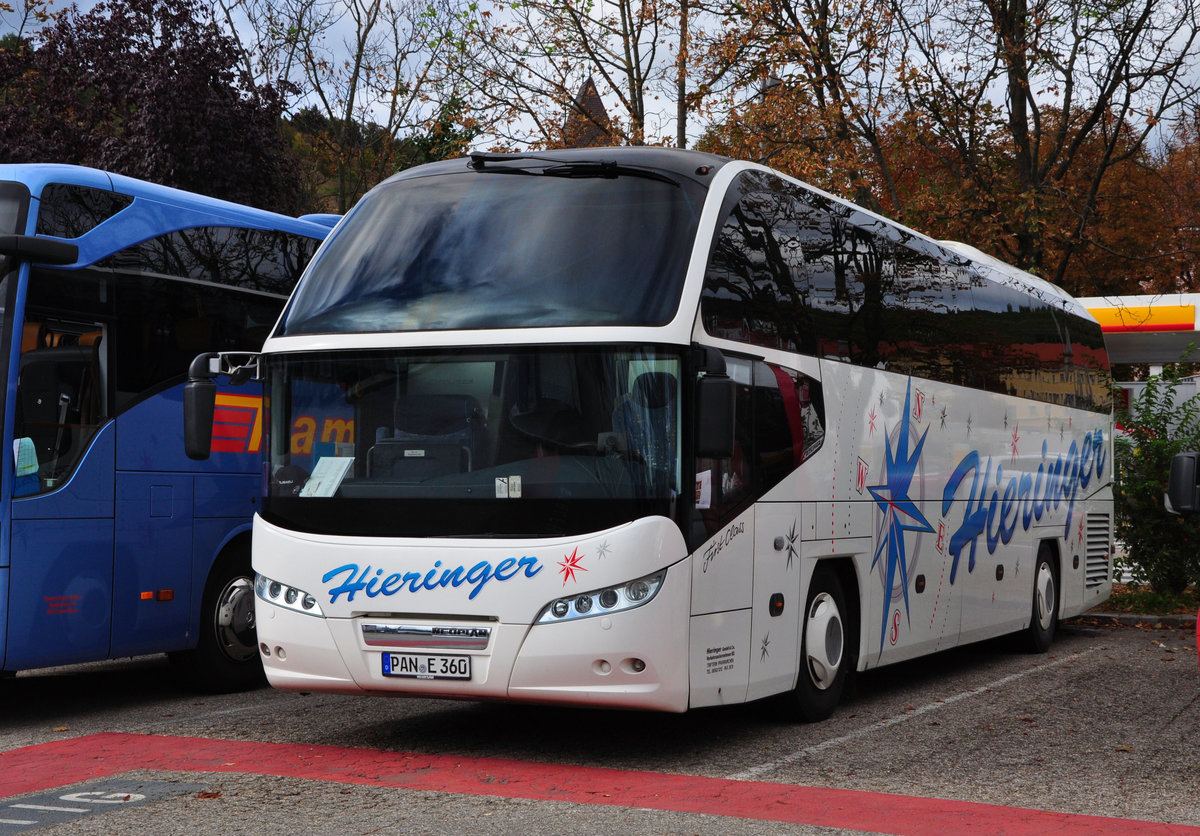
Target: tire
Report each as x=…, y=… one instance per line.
x=824, y=650
x=1043, y=618
x=225, y=658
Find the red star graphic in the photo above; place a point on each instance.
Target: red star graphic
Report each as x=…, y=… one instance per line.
x=1015, y=439
x=569, y=565
x=872, y=418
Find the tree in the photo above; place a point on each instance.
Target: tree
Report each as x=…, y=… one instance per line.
x=523, y=64
x=1164, y=549
x=806, y=86
x=148, y=89
x=373, y=69
x=17, y=23
x=1020, y=125
x=1176, y=181
x=1070, y=93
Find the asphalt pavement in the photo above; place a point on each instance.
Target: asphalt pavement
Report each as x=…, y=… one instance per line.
x=1099, y=735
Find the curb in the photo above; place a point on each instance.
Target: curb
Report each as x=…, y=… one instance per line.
x=1154, y=622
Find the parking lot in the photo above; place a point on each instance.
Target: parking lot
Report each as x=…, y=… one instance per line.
x=1105, y=725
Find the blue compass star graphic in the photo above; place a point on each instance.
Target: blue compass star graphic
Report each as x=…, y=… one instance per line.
x=900, y=511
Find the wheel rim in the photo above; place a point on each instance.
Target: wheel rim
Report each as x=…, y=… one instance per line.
x=823, y=641
x=233, y=620
x=1044, y=596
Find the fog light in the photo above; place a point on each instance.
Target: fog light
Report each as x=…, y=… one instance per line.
x=309, y=602
x=638, y=665
x=583, y=604
x=608, y=598
x=561, y=607
x=274, y=589
x=291, y=595
x=637, y=591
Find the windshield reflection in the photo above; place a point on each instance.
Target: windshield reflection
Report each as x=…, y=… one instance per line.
x=510, y=429
x=475, y=250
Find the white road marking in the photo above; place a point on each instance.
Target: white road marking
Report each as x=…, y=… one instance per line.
x=755, y=771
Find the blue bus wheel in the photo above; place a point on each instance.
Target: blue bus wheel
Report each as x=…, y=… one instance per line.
x=225, y=658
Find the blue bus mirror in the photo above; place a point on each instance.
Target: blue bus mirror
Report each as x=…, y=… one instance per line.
x=199, y=406
x=39, y=250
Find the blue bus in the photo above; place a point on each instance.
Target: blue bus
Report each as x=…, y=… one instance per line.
x=112, y=542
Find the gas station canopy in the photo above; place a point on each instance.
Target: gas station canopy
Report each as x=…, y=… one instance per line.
x=1147, y=329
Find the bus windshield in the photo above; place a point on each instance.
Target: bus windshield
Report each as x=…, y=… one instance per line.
x=437, y=253
x=467, y=443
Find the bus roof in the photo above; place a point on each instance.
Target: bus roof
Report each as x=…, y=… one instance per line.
x=36, y=176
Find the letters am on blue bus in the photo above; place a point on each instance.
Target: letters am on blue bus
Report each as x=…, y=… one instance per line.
x=112, y=542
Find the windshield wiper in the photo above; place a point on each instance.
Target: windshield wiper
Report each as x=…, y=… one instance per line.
x=483, y=160
x=606, y=170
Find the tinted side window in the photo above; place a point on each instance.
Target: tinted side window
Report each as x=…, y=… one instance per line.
x=779, y=424
x=249, y=259
x=62, y=399
x=163, y=324
x=1086, y=373
x=794, y=270
x=71, y=211
x=788, y=422
x=755, y=287
x=1029, y=349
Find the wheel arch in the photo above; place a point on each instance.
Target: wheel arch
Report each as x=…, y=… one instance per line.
x=846, y=570
x=1051, y=546
x=232, y=547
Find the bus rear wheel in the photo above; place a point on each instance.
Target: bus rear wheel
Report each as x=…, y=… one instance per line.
x=225, y=658
x=823, y=649
x=1044, y=613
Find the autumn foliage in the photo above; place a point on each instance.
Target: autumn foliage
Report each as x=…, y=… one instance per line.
x=1061, y=140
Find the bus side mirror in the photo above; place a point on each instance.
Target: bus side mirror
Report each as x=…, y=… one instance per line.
x=716, y=395
x=1183, y=492
x=199, y=405
x=39, y=250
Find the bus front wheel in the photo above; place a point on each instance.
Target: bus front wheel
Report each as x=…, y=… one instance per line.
x=225, y=658
x=823, y=649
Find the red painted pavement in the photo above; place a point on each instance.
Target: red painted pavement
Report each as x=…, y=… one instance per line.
x=49, y=765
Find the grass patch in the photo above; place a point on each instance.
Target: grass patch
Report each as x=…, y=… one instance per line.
x=1142, y=600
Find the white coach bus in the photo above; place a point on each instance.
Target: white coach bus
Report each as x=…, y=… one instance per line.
x=655, y=429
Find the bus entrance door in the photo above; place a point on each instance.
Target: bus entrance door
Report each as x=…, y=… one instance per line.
x=61, y=574
x=775, y=619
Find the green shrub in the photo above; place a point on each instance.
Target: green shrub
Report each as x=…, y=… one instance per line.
x=1164, y=549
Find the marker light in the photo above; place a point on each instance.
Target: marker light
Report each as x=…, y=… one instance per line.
x=625, y=596
x=288, y=597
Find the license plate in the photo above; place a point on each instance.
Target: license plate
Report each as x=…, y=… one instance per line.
x=426, y=666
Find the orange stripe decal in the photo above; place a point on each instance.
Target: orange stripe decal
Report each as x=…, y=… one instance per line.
x=238, y=409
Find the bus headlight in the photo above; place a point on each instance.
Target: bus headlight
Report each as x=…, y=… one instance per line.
x=611, y=599
x=288, y=597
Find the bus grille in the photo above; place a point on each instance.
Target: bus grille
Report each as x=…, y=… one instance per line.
x=1099, y=545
